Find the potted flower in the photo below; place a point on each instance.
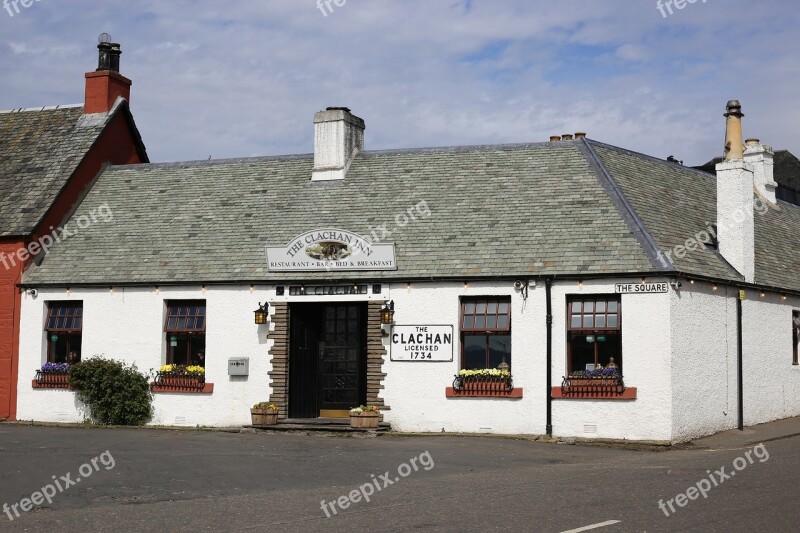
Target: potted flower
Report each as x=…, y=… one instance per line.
x=264, y=414
x=54, y=375
x=365, y=416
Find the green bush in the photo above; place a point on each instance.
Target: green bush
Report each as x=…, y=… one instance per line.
x=117, y=394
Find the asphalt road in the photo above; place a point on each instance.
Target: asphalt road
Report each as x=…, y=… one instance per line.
x=207, y=481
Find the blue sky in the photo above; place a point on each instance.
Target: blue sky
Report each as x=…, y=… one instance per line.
x=231, y=79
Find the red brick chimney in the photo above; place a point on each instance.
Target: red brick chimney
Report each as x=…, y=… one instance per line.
x=105, y=84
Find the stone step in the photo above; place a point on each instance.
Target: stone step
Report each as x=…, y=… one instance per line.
x=330, y=425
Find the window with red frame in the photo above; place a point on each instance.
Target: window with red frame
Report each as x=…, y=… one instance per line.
x=185, y=329
x=64, y=329
x=594, y=332
x=485, y=332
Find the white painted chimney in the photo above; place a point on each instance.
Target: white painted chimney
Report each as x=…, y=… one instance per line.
x=735, y=224
x=338, y=137
x=762, y=157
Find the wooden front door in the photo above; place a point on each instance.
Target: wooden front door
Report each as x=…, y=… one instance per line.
x=328, y=358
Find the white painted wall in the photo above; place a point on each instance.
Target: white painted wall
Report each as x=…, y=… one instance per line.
x=679, y=350
x=127, y=324
x=646, y=357
x=771, y=382
x=705, y=399
x=415, y=391
x=704, y=361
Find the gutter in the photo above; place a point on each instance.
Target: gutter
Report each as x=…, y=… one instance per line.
x=740, y=360
x=549, y=296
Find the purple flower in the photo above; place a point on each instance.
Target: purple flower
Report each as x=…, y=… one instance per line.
x=55, y=368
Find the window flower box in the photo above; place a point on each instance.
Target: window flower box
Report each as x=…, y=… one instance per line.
x=489, y=382
x=483, y=381
x=605, y=382
x=180, y=378
x=52, y=376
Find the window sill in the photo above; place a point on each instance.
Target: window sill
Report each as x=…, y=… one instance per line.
x=629, y=394
x=515, y=393
x=208, y=388
x=51, y=386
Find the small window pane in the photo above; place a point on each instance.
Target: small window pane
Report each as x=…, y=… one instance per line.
x=492, y=308
x=600, y=321
x=481, y=308
x=612, y=306
x=588, y=307
x=502, y=308
x=502, y=322
x=613, y=321
x=469, y=308
x=491, y=321
x=480, y=322
x=469, y=321
x=587, y=322
x=475, y=352
x=601, y=307
x=576, y=321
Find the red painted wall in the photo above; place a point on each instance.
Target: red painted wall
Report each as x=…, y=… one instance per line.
x=9, y=334
x=116, y=146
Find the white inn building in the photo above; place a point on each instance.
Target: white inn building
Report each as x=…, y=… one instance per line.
x=549, y=259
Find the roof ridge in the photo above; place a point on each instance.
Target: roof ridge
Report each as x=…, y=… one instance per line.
x=391, y=151
x=40, y=108
x=626, y=210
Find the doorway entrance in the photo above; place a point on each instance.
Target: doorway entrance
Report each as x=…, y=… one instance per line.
x=327, y=359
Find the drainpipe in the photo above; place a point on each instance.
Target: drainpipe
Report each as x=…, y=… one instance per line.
x=548, y=283
x=740, y=358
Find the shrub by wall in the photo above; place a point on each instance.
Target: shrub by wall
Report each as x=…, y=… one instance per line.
x=116, y=393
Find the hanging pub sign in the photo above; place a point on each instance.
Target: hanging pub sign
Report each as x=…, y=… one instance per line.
x=642, y=288
x=422, y=343
x=327, y=250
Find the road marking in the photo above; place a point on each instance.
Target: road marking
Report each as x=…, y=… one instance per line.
x=593, y=526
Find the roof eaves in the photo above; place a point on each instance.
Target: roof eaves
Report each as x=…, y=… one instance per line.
x=625, y=209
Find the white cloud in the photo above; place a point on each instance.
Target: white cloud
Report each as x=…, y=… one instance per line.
x=244, y=78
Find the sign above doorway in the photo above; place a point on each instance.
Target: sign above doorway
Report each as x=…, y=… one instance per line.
x=327, y=250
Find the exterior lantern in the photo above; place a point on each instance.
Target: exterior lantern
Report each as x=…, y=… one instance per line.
x=262, y=313
x=54, y=337
x=387, y=319
x=387, y=313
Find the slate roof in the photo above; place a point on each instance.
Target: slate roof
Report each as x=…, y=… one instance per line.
x=40, y=149
x=572, y=208
x=676, y=202
x=495, y=211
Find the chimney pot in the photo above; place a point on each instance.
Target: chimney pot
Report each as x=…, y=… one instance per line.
x=566, y=137
x=580, y=135
x=115, y=52
x=752, y=141
x=555, y=138
x=734, y=148
x=103, y=57
x=106, y=84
